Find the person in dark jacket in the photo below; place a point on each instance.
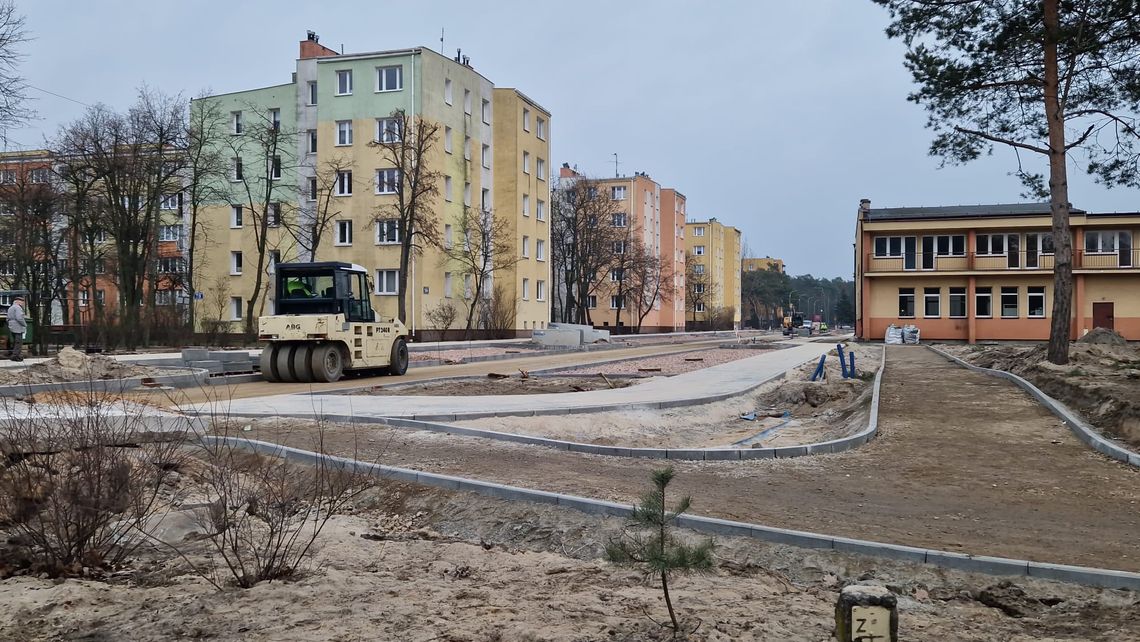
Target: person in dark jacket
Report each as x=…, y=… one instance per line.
x=17, y=325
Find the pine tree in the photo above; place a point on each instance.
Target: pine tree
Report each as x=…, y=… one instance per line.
x=651, y=546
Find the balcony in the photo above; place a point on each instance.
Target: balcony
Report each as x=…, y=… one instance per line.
x=1124, y=259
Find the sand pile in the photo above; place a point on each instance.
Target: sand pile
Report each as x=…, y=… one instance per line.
x=1103, y=336
x=73, y=365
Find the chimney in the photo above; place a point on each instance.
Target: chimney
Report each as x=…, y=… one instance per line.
x=311, y=47
x=864, y=207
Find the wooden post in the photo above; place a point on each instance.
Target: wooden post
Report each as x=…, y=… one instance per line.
x=866, y=614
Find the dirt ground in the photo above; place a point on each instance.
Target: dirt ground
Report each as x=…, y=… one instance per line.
x=423, y=565
x=511, y=385
x=963, y=462
x=460, y=354
x=1101, y=380
x=817, y=411
x=673, y=364
x=73, y=365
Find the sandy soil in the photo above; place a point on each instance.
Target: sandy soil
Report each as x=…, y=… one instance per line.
x=512, y=385
x=72, y=365
x=459, y=355
x=818, y=411
x=1101, y=380
x=425, y=565
x=673, y=364
x=963, y=462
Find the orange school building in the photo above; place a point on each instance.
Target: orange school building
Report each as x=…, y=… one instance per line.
x=985, y=272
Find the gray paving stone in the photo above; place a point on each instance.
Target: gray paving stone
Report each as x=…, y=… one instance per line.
x=1088, y=576
x=875, y=549
x=977, y=563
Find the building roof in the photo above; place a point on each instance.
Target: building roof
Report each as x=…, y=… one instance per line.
x=961, y=211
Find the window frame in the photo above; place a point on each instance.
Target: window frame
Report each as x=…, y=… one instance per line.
x=904, y=295
x=343, y=82
x=540, y=249
x=959, y=293
x=383, y=131
x=341, y=239
x=312, y=97
x=381, y=277
x=237, y=216
x=388, y=177
x=237, y=263
x=343, y=133
x=237, y=305
x=387, y=231
x=382, y=80
x=342, y=183
x=983, y=293
x=936, y=297
x=540, y=290
x=448, y=92
x=1016, y=294
x=540, y=128
x=540, y=209
x=1030, y=294
x=312, y=144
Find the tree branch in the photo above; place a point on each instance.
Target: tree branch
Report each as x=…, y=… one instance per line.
x=1003, y=141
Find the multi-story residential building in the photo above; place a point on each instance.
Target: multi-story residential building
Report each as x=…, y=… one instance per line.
x=673, y=247
x=329, y=176
x=985, y=272
x=714, y=249
x=761, y=264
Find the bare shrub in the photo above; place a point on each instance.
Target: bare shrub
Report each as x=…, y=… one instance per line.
x=265, y=512
x=83, y=480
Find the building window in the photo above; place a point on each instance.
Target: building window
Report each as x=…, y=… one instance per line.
x=343, y=82
x=313, y=92
x=275, y=118
x=526, y=247
x=467, y=194
x=699, y=250
x=932, y=303
x=592, y=301
x=83, y=298
x=388, y=130
x=447, y=188
x=448, y=236
x=698, y=231
x=387, y=231
x=616, y=275
x=236, y=216
x=447, y=139
x=983, y=300
x=540, y=290
x=389, y=78
x=617, y=193
x=237, y=173
x=164, y=297
x=699, y=268
x=541, y=129
x=888, y=246
x=540, y=169
x=344, y=232
x=485, y=200
x=447, y=284
x=312, y=141
x=486, y=112
x=466, y=148
x=619, y=247
x=617, y=302
x=699, y=288
x=8, y=176
x=526, y=205
x=235, y=308
x=343, y=132
x=619, y=219
x=540, y=210
x=1036, y=296
x=312, y=189
x=526, y=162
x=275, y=214
x=993, y=244
x=387, y=282
x=344, y=183
x=275, y=168
x=957, y=303
x=168, y=202
x=906, y=303
x=526, y=119
x=1102, y=242
x=235, y=117
x=235, y=263
x=447, y=90
x=525, y=289
x=387, y=181
x=486, y=156
x=539, y=250
x=1009, y=302
x=699, y=306
x=467, y=101
x=171, y=265
x=169, y=232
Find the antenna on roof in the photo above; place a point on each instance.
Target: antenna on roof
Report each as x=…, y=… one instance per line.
x=441, y=40
x=616, y=163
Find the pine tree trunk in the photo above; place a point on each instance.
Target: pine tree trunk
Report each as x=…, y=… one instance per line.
x=1058, y=195
x=668, y=601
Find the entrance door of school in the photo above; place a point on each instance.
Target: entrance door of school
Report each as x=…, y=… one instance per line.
x=1103, y=315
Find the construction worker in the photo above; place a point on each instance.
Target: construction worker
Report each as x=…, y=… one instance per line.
x=17, y=325
x=298, y=289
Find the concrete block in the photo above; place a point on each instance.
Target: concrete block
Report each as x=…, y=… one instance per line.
x=595, y=506
x=211, y=366
x=757, y=453
x=648, y=453
x=439, y=481
x=551, y=412
x=715, y=526
x=722, y=454
x=695, y=454
x=787, y=537
x=977, y=563
x=195, y=354
x=875, y=549
x=229, y=355
x=1103, y=578
x=790, y=451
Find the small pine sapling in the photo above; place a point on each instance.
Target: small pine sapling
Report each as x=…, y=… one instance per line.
x=650, y=545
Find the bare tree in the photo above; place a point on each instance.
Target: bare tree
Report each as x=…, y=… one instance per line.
x=265, y=185
x=583, y=234
x=406, y=145
x=649, y=280
x=485, y=247
x=13, y=88
x=700, y=288
x=205, y=170
x=310, y=228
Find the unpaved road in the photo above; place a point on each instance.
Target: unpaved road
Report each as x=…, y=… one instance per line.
x=963, y=462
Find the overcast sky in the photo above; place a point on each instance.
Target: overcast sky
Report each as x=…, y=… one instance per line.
x=774, y=116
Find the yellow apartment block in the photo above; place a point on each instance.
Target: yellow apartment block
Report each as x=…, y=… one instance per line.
x=985, y=272
x=715, y=249
x=761, y=264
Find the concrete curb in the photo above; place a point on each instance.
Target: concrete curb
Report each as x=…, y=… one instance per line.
x=1076, y=424
x=433, y=423
x=1104, y=578
x=196, y=377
